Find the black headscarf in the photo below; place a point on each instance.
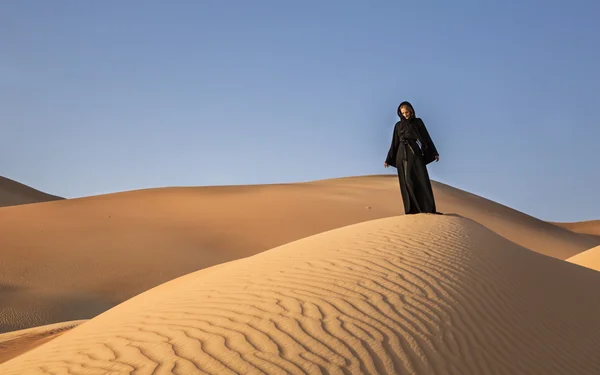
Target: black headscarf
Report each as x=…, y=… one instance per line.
x=402, y=119
x=407, y=128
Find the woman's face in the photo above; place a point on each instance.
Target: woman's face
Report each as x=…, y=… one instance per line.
x=406, y=112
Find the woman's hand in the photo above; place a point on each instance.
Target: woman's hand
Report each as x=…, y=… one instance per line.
x=437, y=158
x=385, y=165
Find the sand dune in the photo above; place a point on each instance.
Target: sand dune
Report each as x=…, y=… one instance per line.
x=73, y=259
x=421, y=294
x=13, y=193
x=589, y=258
x=591, y=227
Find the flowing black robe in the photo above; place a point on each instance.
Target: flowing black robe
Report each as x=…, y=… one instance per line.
x=410, y=152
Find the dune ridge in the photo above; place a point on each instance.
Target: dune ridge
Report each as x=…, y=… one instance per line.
x=13, y=193
x=421, y=294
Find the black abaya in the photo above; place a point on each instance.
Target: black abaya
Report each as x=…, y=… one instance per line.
x=408, y=158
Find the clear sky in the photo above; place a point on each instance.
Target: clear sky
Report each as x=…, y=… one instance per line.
x=106, y=96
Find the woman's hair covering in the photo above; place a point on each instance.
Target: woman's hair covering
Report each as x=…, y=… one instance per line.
x=407, y=104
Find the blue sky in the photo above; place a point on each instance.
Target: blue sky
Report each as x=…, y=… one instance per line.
x=106, y=96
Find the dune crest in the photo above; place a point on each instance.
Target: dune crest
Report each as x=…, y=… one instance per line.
x=420, y=294
x=589, y=258
x=13, y=193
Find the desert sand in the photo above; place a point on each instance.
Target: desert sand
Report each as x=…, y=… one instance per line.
x=421, y=294
x=589, y=258
x=15, y=193
x=74, y=259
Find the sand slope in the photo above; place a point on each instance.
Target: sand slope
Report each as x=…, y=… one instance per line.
x=589, y=258
x=404, y=295
x=14, y=193
x=73, y=259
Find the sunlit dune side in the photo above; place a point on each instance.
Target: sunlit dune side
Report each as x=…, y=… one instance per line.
x=16, y=343
x=589, y=258
x=13, y=193
x=420, y=294
x=76, y=258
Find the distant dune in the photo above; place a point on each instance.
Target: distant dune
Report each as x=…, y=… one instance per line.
x=421, y=294
x=13, y=193
x=589, y=258
x=73, y=259
x=591, y=227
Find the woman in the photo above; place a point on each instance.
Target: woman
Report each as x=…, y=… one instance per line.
x=410, y=160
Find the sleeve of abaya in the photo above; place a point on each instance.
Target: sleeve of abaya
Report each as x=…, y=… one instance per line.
x=391, y=155
x=426, y=138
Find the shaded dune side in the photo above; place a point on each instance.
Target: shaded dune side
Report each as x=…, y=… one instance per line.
x=15, y=343
x=13, y=193
x=403, y=295
x=589, y=258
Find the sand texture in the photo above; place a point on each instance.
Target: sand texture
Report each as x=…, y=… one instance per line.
x=13, y=193
x=589, y=258
x=73, y=259
x=420, y=294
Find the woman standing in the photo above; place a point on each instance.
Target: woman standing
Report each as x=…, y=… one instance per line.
x=411, y=150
